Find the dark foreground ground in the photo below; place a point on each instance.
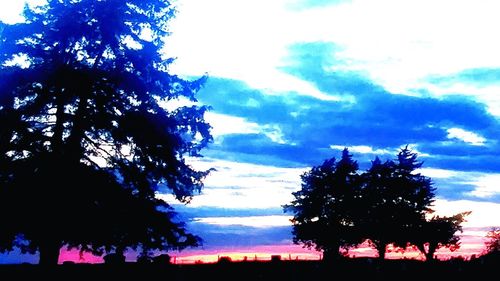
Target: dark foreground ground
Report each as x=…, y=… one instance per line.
x=353, y=269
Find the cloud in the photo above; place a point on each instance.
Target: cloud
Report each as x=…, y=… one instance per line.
x=240, y=236
x=228, y=125
x=465, y=136
x=236, y=185
x=453, y=184
x=364, y=149
x=255, y=40
x=189, y=212
x=310, y=4
x=225, y=125
x=480, y=83
x=386, y=40
x=251, y=221
x=483, y=214
x=485, y=186
x=11, y=11
x=296, y=130
x=474, y=76
x=397, y=48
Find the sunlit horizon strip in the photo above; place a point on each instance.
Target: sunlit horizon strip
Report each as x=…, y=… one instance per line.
x=471, y=247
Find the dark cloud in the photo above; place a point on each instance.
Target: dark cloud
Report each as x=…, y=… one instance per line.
x=452, y=189
x=238, y=235
x=466, y=162
x=189, y=213
x=276, y=154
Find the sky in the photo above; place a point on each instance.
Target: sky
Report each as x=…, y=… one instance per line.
x=293, y=82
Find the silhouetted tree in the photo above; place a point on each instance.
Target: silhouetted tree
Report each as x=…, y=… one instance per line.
x=324, y=208
x=439, y=232
x=395, y=199
x=89, y=129
x=377, y=222
x=493, y=242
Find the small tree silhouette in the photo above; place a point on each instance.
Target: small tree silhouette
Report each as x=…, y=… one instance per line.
x=85, y=130
x=439, y=232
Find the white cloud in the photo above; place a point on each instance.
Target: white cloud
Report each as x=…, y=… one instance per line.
x=364, y=149
x=438, y=173
x=242, y=185
x=410, y=39
x=238, y=40
x=484, y=214
x=397, y=43
x=223, y=124
x=414, y=149
x=486, y=185
x=483, y=185
x=465, y=136
x=11, y=11
x=252, y=221
x=487, y=94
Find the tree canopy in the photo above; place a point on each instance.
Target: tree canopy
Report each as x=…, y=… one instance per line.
x=90, y=129
x=396, y=200
x=390, y=203
x=493, y=242
x=324, y=208
x=438, y=232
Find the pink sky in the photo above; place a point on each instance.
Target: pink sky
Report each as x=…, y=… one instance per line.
x=470, y=245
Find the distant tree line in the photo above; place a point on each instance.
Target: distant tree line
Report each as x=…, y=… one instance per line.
x=338, y=208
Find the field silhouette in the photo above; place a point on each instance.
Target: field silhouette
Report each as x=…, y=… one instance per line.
x=353, y=268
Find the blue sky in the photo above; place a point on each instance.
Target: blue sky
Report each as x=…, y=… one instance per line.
x=292, y=83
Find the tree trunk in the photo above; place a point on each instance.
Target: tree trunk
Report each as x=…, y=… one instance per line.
x=331, y=254
x=428, y=251
x=49, y=253
x=57, y=137
x=429, y=256
x=381, y=249
x=423, y=250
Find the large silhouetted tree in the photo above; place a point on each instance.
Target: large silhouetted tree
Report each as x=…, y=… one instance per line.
x=324, y=209
x=438, y=232
x=87, y=134
x=396, y=200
